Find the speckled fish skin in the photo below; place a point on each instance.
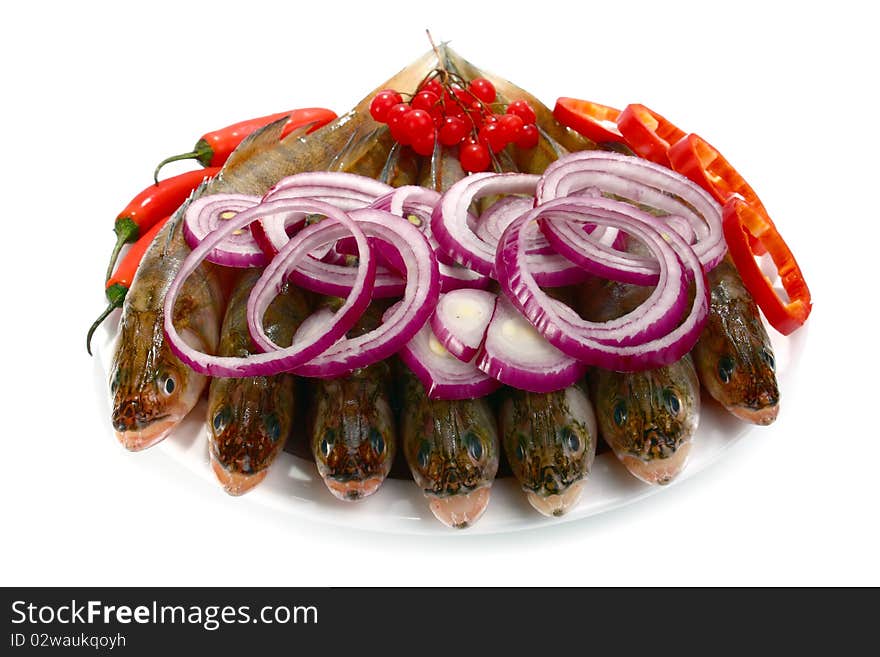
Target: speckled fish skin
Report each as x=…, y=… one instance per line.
x=151, y=390
x=353, y=436
x=249, y=419
x=451, y=448
x=550, y=443
x=647, y=418
x=734, y=357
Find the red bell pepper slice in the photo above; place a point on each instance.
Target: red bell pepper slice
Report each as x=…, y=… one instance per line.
x=647, y=133
x=694, y=157
x=697, y=159
x=592, y=120
x=741, y=224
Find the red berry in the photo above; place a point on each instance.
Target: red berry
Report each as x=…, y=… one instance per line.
x=492, y=135
x=424, y=145
x=510, y=125
x=523, y=110
x=395, y=122
x=382, y=102
x=434, y=86
x=482, y=89
x=452, y=130
x=528, y=136
x=417, y=124
x=474, y=157
x=426, y=100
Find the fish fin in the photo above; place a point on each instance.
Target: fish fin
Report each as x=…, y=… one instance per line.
x=259, y=140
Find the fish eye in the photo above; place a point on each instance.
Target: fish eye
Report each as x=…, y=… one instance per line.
x=377, y=442
x=327, y=443
x=474, y=447
x=521, y=448
x=671, y=400
x=725, y=368
x=570, y=439
x=167, y=385
x=620, y=413
x=767, y=355
x=424, y=454
x=114, y=382
x=273, y=427
x=221, y=419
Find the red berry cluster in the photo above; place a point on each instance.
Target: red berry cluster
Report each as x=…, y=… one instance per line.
x=456, y=115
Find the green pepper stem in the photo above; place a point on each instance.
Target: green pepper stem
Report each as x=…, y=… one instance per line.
x=192, y=155
x=113, y=306
x=126, y=231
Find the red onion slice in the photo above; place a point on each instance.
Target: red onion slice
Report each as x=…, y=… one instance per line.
x=205, y=214
x=649, y=336
x=345, y=191
x=642, y=182
x=517, y=355
x=460, y=321
x=450, y=225
x=443, y=375
x=403, y=320
x=416, y=205
x=337, y=225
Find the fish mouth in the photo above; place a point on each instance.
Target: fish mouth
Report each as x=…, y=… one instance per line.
x=135, y=440
x=762, y=416
x=460, y=511
x=353, y=489
x=558, y=504
x=658, y=471
x=236, y=483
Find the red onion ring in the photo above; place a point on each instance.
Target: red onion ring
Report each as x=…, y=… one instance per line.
x=400, y=322
x=643, y=182
x=205, y=214
x=644, y=338
x=336, y=225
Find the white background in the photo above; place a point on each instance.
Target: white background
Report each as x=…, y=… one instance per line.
x=94, y=94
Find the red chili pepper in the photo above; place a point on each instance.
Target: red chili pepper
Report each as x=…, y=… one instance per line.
x=117, y=285
x=592, y=120
x=743, y=222
x=214, y=147
x=694, y=157
x=647, y=133
x=153, y=203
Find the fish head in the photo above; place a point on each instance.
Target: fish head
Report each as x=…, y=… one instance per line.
x=151, y=389
x=649, y=418
x=354, y=445
x=550, y=442
x=737, y=366
x=456, y=473
x=249, y=420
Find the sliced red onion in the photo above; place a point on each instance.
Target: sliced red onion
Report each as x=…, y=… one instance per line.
x=205, y=214
x=403, y=320
x=651, y=335
x=642, y=182
x=461, y=319
x=498, y=216
x=345, y=191
x=443, y=375
x=338, y=280
x=416, y=205
x=515, y=354
x=451, y=226
x=337, y=225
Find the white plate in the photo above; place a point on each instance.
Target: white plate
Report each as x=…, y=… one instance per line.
x=294, y=488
